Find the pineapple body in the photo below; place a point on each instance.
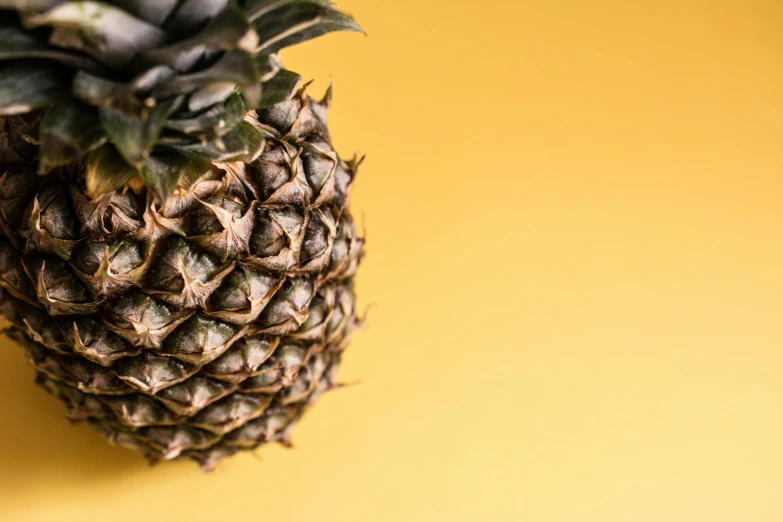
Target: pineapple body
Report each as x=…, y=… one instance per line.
x=195, y=326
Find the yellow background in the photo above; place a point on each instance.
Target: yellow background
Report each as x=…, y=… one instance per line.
x=575, y=219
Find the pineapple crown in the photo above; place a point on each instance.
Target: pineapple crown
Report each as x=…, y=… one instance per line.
x=151, y=90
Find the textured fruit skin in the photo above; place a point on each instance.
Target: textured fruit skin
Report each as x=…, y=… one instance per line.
x=193, y=328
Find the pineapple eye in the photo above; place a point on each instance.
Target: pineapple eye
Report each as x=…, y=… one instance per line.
x=203, y=220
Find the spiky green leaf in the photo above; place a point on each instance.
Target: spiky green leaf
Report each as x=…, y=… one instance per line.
x=194, y=171
x=29, y=5
x=252, y=95
x=152, y=78
x=161, y=173
x=268, y=66
x=257, y=8
x=210, y=94
x=154, y=12
x=235, y=66
x=99, y=92
x=191, y=15
x=285, y=21
x=27, y=86
x=278, y=89
x=135, y=137
x=330, y=22
x=228, y=30
x=18, y=44
x=216, y=121
x=106, y=171
x=136, y=62
x=67, y=132
x=244, y=143
x=299, y=22
x=104, y=31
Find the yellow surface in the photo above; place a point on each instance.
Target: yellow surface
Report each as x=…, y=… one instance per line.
x=575, y=219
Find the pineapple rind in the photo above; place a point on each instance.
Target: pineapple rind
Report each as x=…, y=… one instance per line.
x=194, y=327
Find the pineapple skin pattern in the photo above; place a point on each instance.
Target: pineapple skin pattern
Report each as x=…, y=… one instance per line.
x=195, y=329
x=190, y=324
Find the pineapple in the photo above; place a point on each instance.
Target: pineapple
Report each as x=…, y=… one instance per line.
x=176, y=253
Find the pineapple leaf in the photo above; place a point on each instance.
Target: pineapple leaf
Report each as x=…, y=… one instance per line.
x=194, y=171
x=257, y=8
x=210, y=94
x=151, y=78
x=106, y=32
x=100, y=92
x=244, y=143
x=106, y=171
x=27, y=86
x=191, y=15
x=284, y=21
x=29, y=5
x=218, y=120
x=252, y=95
x=299, y=22
x=16, y=43
x=268, y=66
x=234, y=66
x=135, y=137
x=228, y=30
x=154, y=12
x=331, y=22
x=161, y=173
x=279, y=88
x=151, y=91
x=67, y=132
